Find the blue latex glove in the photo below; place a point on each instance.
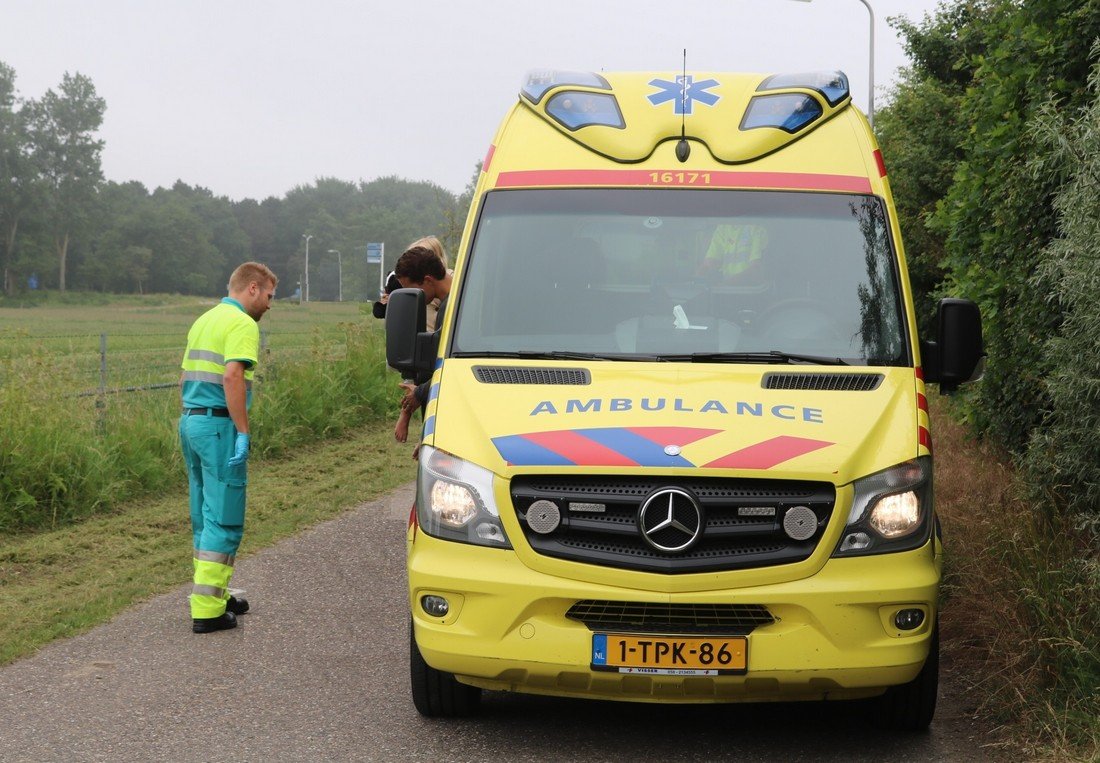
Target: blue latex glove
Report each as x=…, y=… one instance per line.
x=240, y=450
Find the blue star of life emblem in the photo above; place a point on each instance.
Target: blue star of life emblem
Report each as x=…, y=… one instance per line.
x=683, y=93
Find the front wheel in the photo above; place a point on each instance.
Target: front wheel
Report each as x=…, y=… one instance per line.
x=910, y=707
x=437, y=694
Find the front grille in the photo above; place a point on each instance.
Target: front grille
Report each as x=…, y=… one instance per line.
x=742, y=521
x=647, y=617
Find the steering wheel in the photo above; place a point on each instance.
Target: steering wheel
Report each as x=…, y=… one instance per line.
x=800, y=320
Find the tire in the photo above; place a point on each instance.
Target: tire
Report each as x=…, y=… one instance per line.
x=436, y=694
x=910, y=707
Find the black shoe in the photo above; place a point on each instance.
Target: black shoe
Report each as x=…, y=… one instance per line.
x=222, y=622
x=236, y=606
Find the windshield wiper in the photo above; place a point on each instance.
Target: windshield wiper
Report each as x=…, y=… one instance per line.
x=553, y=355
x=772, y=356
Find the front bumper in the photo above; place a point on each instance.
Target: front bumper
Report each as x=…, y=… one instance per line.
x=833, y=636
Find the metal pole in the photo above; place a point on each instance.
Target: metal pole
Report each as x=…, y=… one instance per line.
x=307, y=238
x=100, y=401
x=382, y=269
x=871, y=67
x=871, y=74
x=102, y=363
x=340, y=272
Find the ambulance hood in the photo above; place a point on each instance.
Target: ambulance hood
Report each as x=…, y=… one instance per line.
x=706, y=419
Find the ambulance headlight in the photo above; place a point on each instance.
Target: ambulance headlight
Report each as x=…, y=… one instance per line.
x=896, y=515
x=454, y=505
x=454, y=500
x=891, y=510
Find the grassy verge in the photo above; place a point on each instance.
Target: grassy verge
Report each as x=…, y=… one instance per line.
x=60, y=583
x=1022, y=611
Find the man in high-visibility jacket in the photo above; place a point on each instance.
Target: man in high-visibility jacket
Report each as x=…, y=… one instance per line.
x=735, y=252
x=223, y=347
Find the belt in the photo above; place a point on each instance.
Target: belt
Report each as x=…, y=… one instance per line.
x=223, y=412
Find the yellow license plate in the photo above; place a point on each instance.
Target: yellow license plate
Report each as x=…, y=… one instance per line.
x=672, y=655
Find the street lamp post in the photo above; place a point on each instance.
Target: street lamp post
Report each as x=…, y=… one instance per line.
x=340, y=272
x=871, y=63
x=307, y=238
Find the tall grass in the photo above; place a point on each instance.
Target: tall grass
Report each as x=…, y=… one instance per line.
x=63, y=457
x=342, y=383
x=1057, y=585
x=1022, y=612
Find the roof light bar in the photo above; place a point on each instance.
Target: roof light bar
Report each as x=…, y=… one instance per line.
x=539, y=81
x=789, y=112
x=575, y=109
x=832, y=85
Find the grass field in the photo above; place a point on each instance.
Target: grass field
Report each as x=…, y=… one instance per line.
x=145, y=336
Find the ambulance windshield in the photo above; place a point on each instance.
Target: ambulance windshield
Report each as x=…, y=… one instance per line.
x=656, y=273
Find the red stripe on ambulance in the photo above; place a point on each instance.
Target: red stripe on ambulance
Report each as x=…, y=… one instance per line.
x=765, y=455
x=579, y=449
x=925, y=437
x=683, y=178
x=881, y=163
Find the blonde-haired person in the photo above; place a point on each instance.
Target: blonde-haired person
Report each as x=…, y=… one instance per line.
x=432, y=244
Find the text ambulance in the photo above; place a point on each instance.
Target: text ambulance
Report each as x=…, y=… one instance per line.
x=677, y=445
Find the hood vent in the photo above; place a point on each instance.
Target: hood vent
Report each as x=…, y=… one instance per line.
x=524, y=375
x=831, y=382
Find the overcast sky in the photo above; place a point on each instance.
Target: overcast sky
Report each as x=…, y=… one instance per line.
x=250, y=98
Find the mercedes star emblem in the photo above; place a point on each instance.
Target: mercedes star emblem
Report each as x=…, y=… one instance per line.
x=670, y=520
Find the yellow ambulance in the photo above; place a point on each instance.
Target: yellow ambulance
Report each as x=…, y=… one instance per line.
x=677, y=444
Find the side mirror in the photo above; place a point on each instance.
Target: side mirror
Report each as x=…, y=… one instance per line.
x=409, y=348
x=958, y=355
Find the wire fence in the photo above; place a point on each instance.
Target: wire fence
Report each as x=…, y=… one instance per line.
x=87, y=365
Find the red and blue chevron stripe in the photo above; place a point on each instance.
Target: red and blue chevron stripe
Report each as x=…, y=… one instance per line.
x=641, y=446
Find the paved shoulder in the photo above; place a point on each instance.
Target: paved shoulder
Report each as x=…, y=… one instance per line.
x=318, y=648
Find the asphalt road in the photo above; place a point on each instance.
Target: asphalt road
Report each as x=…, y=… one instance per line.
x=318, y=671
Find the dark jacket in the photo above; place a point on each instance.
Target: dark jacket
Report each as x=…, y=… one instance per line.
x=424, y=387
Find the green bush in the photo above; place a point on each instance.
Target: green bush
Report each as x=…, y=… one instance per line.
x=997, y=216
x=1064, y=455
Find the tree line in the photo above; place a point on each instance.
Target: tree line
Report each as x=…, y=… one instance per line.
x=62, y=226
